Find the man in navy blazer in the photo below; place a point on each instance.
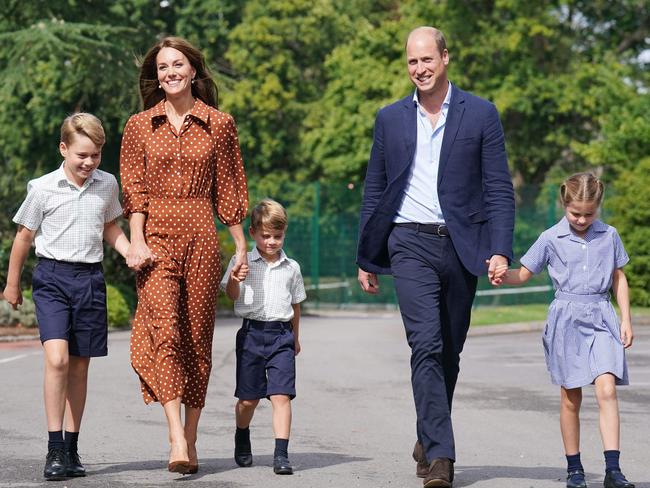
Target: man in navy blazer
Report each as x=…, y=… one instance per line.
x=438, y=210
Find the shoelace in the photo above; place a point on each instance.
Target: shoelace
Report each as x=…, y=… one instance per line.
x=576, y=477
x=74, y=457
x=56, y=454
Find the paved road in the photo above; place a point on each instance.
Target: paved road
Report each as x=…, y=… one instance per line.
x=353, y=417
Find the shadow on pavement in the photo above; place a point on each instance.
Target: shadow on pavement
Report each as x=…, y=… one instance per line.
x=469, y=475
x=302, y=461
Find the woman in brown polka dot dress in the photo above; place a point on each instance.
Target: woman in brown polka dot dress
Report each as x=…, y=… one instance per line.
x=180, y=163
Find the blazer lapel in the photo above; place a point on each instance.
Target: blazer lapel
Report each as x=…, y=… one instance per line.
x=454, y=119
x=410, y=131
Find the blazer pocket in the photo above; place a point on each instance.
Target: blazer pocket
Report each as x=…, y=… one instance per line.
x=477, y=217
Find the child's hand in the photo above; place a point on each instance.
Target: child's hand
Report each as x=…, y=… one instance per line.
x=296, y=344
x=496, y=274
x=627, y=336
x=13, y=295
x=239, y=274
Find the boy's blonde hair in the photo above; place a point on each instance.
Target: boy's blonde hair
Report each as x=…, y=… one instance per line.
x=84, y=124
x=269, y=214
x=582, y=187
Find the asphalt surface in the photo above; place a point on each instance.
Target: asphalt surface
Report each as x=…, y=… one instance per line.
x=353, y=416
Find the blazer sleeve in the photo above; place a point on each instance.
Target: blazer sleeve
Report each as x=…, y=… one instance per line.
x=376, y=179
x=499, y=196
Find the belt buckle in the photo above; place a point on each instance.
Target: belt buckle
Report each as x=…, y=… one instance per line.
x=438, y=230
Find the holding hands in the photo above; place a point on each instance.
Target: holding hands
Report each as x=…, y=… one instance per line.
x=240, y=269
x=497, y=269
x=139, y=256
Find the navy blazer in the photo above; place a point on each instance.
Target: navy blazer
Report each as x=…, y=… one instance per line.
x=474, y=184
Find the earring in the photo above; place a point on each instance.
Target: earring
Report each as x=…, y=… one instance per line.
x=192, y=81
x=159, y=85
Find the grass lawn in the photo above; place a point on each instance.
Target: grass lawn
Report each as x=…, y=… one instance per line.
x=509, y=314
x=528, y=313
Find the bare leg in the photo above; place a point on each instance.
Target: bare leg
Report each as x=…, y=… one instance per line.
x=56, y=382
x=76, y=394
x=192, y=416
x=281, y=416
x=177, y=442
x=609, y=418
x=244, y=411
x=570, y=402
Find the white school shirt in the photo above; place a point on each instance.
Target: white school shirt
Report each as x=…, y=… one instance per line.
x=69, y=221
x=269, y=289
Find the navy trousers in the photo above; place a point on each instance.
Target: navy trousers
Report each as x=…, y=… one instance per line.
x=435, y=294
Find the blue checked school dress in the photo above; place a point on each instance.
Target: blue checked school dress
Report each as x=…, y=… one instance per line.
x=582, y=334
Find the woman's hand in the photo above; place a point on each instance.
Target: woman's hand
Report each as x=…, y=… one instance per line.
x=139, y=256
x=240, y=268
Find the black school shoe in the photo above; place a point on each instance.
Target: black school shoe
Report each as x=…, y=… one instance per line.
x=576, y=479
x=615, y=479
x=75, y=468
x=281, y=465
x=243, y=454
x=55, y=464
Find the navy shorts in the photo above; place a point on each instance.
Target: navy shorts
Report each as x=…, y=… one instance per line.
x=266, y=360
x=70, y=301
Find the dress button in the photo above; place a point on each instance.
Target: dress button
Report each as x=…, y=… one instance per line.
x=584, y=246
x=584, y=268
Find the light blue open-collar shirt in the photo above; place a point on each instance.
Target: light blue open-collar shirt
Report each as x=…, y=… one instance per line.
x=420, y=203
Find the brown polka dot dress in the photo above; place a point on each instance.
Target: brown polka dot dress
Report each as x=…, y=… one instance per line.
x=179, y=179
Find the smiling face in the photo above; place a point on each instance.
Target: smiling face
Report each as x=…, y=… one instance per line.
x=175, y=72
x=581, y=215
x=427, y=66
x=268, y=242
x=82, y=157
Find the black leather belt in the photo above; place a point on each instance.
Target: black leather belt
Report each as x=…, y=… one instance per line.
x=437, y=229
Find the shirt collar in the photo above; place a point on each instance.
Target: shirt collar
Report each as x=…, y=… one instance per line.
x=61, y=176
x=564, y=228
x=200, y=110
x=445, y=102
x=255, y=256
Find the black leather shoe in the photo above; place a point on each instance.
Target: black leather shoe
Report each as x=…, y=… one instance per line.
x=440, y=474
x=75, y=468
x=576, y=479
x=281, y=465
x=615, y=479
x=243, y=454
x=55, y=464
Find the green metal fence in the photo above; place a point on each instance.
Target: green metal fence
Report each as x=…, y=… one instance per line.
x=322, y=237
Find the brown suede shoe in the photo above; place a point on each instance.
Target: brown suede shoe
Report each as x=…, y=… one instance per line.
x=439, y=475
x=422, y=468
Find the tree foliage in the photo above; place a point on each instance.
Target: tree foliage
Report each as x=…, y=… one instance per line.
x=305, y=78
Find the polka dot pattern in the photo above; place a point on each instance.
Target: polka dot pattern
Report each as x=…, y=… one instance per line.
x=180, y=179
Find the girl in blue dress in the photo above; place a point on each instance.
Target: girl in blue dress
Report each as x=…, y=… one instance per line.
x=583, y=341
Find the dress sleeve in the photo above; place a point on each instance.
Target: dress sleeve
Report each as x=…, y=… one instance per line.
x=230, y=192
x=620, y=256
x=133, y=169
x=536, y=258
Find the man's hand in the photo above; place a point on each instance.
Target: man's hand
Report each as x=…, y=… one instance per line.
x=368, y=282
x=497, y=267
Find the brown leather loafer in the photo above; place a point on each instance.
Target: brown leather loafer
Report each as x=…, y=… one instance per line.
x=422, y=468
x=440, y=474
